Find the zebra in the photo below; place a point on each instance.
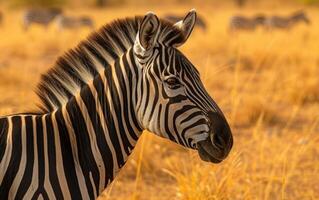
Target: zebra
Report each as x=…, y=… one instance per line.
x=239, y=22
x=126, y=77
x=280, y=22
x=200, y=22
x=67, y=22
x=39, y=16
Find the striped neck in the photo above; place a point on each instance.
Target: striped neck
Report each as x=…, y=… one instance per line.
x=101, y=122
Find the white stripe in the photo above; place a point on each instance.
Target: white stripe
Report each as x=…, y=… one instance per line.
x=59, y=160
x=47, y=185
x=92, y=182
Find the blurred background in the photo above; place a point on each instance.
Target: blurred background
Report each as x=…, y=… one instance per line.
x=259, y=59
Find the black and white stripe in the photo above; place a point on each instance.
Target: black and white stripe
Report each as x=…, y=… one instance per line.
x=125, y=78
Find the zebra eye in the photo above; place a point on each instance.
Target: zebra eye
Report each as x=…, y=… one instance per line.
x=173, y=83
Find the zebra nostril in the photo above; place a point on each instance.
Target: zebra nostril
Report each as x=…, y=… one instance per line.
x=220, y=133
x=218, y=141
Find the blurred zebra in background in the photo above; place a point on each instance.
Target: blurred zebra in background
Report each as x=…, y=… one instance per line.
x=239, y=22
x=68, y=22
x=287, y=22
x=41, y=16
x=200, y=22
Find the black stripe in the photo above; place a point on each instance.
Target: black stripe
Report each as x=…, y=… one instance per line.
x=193, y=115
x=118, y=111
x=159, y=117
x=166, y=55
x=40, y=146
x=47, y=92
x=103, y=40
x=15, y=159
x=53, y=177
x=124, y=107
x=156, y=93
x=97, y=55
x=197, y=123
x=109, y=119
x=86, y=159
x=59, y=86
x=127, y=32
x=86, y=62
x=41, y=163
x=116, y=40
x=170, y=135
x=66, y=66
x=90, y=104
x=167, y=109
x=28, y=173
x=129, y=99
x=68, y=162
x=147, y=94
x=135, y=68
x=177, y=113
x=4, y=125
x=41, y=192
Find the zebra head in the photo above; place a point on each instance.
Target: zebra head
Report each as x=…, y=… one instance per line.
x=172, y=102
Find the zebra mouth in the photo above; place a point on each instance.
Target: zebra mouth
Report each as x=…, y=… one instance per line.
x=207, y=152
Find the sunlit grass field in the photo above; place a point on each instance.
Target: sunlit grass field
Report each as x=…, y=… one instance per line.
x=266, y=82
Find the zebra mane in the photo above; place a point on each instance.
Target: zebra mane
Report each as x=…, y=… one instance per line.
x=79, y=66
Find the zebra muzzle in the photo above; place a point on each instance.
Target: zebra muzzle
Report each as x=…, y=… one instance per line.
x=220, y=141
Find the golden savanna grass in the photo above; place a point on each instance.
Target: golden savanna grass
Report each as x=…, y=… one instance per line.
x=266, y=82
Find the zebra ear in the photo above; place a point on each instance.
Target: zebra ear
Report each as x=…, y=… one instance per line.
x=186, y=25
x=148, y=32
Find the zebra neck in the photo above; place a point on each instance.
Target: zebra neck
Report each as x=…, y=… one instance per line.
x=101, y=120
